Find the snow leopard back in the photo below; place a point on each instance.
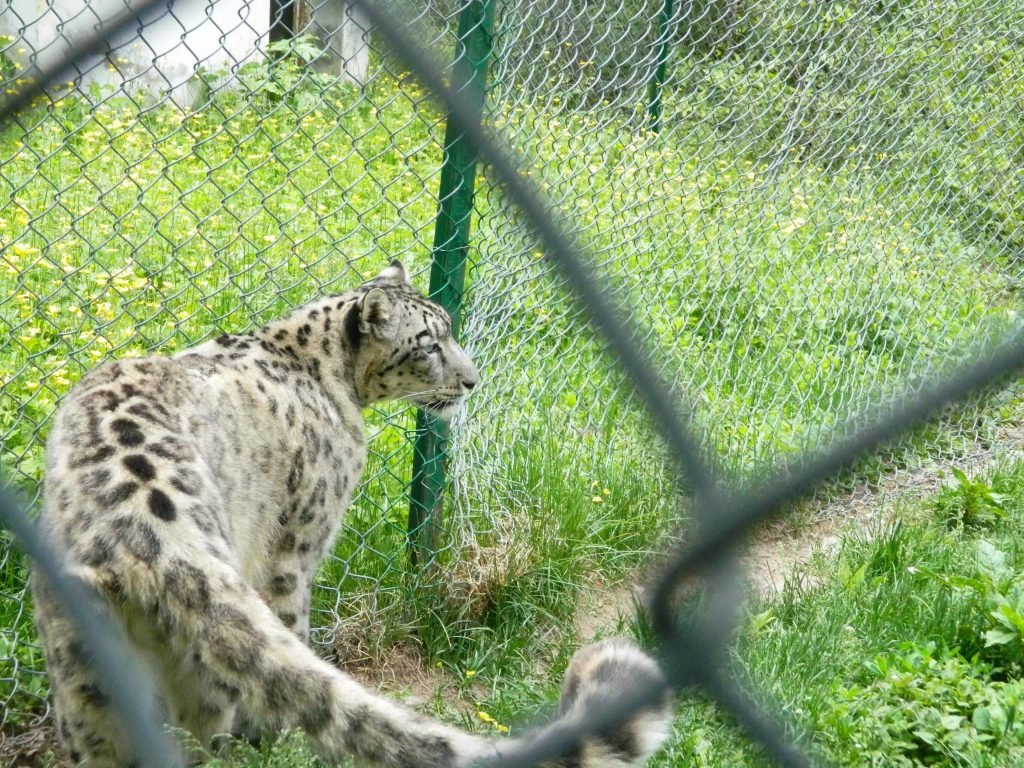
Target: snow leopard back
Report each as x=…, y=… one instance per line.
x=198, y=493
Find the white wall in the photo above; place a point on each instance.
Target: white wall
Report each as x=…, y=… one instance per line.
x=345, y=34
x=208, y=34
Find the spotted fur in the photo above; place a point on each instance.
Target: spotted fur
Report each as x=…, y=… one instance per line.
x=198, y=494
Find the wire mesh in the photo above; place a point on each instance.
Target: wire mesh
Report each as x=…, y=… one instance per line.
x=827, y=215
x=149, y=207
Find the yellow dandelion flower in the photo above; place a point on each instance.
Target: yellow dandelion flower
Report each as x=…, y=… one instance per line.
x=597, y=499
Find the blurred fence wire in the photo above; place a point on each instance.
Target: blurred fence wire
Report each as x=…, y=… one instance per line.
x=794, y=228
x=130, y=688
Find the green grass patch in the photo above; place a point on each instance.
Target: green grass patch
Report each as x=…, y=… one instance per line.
x=903, y=650
x=781, y=296
x=906, y=649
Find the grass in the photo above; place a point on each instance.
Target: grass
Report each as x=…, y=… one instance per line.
x=891, y=659
x=783, y=298
x=886, y=660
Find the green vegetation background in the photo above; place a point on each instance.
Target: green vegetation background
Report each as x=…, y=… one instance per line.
x=830, y=212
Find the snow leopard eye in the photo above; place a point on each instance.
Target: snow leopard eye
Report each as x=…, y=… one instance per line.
x=428, y=344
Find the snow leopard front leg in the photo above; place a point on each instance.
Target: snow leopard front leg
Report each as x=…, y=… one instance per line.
x=297, y=550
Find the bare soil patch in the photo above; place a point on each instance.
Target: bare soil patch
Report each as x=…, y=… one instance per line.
x=782, y=548
x=28, y=747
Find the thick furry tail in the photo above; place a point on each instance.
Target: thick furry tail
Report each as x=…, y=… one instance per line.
x=598, y=677
x=224, y=653
x=597, y=680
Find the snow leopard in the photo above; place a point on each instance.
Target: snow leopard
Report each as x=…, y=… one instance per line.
x=196, y=494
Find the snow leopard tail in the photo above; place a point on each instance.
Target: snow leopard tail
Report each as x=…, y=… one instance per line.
x=599, y=676
x=236, y=658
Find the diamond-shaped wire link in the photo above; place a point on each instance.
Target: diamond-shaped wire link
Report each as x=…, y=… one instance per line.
x=829, y=211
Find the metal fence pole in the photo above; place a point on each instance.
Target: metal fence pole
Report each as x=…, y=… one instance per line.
x=448, y=268
x=658, y=83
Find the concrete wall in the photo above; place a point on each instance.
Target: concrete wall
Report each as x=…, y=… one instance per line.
x=175, y=44
x=343, y=32
x=210, y=35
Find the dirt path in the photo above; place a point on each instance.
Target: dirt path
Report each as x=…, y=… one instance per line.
x=783, y=547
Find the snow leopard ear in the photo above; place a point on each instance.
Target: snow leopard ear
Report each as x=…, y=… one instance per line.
x=375, y=314
x=395, y=273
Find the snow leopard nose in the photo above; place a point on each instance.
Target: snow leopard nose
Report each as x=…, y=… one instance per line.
x=470, y=378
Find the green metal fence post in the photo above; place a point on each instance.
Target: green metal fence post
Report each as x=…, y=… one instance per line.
x=448, y=268
x=657, y=84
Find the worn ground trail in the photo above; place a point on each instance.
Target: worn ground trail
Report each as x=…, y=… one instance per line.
x=782, y=548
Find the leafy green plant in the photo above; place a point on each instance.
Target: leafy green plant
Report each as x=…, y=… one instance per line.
x=1000, y=588
x=285, y=75
x=1003, y=589
x=966, y=502
x=925, y=706
x=8, y=67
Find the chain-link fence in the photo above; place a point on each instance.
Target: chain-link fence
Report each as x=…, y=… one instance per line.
x=808, y=207
x=154, y=205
